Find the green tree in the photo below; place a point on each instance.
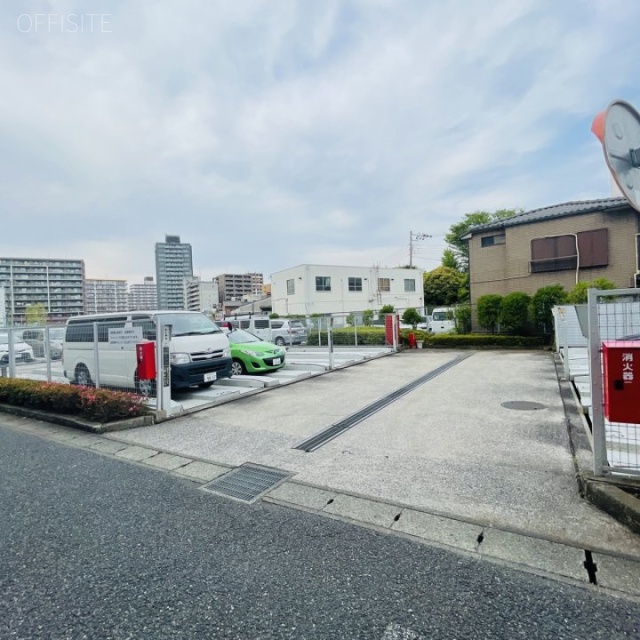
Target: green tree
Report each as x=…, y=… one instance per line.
x=273, y=316
x=450, y=260
x=442, y=286
x=36, y=314
x=367, y=317
x=578, y=295
x=543, y=301
x=458, y=230
x=514, y=313
x=386, y=308
x=489, y=307
x=411, y=316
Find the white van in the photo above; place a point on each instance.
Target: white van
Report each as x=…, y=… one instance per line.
x=280, y=331
x=442, y=320
x=199, y=350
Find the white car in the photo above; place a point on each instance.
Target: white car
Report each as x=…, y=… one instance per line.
x=21, y=350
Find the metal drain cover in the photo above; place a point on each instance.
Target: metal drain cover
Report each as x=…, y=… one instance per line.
x=523, y=405
x=246, y=483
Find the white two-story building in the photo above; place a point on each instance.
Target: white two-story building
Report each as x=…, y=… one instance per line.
x=312, y=288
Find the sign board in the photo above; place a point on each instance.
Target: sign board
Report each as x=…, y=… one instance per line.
x=125, y=337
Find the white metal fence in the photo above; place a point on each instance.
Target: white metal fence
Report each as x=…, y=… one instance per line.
x=614, y=357
x=87, y=353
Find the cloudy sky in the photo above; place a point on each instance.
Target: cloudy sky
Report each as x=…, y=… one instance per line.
x=270, y=133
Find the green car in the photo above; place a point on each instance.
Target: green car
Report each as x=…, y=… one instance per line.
x=252, y=355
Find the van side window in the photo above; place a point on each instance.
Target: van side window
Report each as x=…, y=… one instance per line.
x=276, y=324
x=261, y=324
x=147, y=324
x=244, y=324
x=106, y=324
x=79, y=332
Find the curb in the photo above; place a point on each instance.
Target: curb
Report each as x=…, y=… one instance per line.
x=78, y=423
x=620, y=504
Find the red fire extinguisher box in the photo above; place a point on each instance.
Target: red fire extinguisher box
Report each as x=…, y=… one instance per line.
x=621, y=366
x=146, y=356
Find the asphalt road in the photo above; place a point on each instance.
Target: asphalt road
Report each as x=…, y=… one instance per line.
x=92, y=547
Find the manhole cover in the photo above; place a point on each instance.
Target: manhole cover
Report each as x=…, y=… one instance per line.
x=523, y=405
x=246, y=483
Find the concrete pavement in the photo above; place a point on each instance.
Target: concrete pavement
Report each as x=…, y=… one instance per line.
x=446, y=462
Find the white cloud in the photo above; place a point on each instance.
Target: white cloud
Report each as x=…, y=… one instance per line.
x=267, y=132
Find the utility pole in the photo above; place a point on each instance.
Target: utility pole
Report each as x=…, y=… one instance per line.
x=412, y=237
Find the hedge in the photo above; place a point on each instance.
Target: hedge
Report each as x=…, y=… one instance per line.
x=375, y=336
x=97, y=405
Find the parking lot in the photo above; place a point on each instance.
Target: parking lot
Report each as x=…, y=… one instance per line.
x=446, y=446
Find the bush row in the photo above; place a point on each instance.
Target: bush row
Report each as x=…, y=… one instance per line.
x=97, y=405
x=375, y=336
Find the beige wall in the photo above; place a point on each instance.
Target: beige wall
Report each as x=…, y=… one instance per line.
x=504, y=268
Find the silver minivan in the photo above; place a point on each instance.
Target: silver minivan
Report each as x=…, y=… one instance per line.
x=280, y=331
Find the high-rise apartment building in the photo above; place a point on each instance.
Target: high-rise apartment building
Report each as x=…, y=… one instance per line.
x=200, y=296
x=104, y=296
x=143, y=296
x=56, y=285
x=235, y=286
x=173, y=263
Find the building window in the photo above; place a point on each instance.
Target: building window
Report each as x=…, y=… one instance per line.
x=558, y=253
x=384, y=284
x=323, y=283
x=355, y=284
x=409, y=285
x=490, y=241
x=291, y=287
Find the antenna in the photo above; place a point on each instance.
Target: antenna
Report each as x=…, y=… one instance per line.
x=618, y=129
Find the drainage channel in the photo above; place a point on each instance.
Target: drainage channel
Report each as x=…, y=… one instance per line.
x=320, y=439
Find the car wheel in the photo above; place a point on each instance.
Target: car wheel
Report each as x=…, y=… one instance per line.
x=279, y=341
x=146, y=388
x=237, y=368
x=83, y=377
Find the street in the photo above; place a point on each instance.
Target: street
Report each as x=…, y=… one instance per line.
x=94, y=547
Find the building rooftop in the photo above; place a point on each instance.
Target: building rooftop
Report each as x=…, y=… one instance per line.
x=553, y=211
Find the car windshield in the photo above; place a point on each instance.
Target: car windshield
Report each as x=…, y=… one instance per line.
x=190, y=324
x=440, y=315
x=240, y=336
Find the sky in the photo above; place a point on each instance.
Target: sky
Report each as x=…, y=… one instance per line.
x=273, y=133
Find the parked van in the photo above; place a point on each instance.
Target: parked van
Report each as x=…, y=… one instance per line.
x=442, y=320
x=199, y=350
x=281, y=331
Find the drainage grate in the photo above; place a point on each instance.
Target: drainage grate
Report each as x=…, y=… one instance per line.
x=316, y=441
x=246, y=483
x=523, y=405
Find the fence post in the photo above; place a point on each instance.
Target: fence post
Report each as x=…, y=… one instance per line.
x=47, y=352
x=330, y=341
x=355, y=330
x=597, y=397
x=12, y=354
x=96, y=354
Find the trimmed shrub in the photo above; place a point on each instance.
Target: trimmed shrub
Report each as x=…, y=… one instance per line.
x=97, y=405
x=489, y=307
x=462, y=316
x=514, y=313
x=542, y=303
